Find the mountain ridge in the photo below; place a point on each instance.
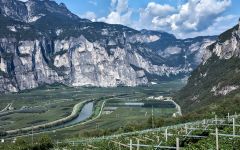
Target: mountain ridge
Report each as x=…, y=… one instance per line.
x=216, y=80
x=59, y=47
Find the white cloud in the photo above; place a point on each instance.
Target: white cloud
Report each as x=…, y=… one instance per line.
x=195, y=15
x=122, y=6
x=152, y=10
x=120, y=14
x=189, y=18
x=219, y=25
x=113, y=3
x=89, y=15
x=93, y=2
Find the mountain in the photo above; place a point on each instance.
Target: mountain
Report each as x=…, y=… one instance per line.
x=184, y=52
x=214, y=85
x=42, y=42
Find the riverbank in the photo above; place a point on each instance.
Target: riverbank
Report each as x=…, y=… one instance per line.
x=91, y=119
x=75, y=112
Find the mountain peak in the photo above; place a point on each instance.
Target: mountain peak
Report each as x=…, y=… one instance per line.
x=32, y=10
x=239, y=23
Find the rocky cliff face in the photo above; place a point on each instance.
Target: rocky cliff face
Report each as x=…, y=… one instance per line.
x=42, y=42
x=218, y=75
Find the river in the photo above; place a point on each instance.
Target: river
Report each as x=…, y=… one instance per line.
x=84, y=114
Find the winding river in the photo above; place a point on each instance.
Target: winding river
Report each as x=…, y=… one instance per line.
x=85, y=113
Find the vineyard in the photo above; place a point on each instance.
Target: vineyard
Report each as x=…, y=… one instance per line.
x=216, y=133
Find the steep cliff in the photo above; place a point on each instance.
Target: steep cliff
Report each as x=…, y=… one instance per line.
x=42, y=42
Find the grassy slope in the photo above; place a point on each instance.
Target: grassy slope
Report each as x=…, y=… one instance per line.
x=225, y=72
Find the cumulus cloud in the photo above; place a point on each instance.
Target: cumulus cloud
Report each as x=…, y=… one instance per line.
x=152, y=10
x=189, y=18
x=195, y=15
x=219, y=25
x=120, y=13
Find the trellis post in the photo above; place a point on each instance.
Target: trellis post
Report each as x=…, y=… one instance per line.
x=217, y=146
x=177, y=143
x=234, y=131
x=204, y=121
x=166, y=134
x=138, y=144
x=130, y=144
x=228, y=117
x=186, y=129
x=216, y=119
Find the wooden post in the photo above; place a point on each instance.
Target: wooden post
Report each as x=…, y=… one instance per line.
x=130, y=144
x=138, y=144
x=234, y=131
x=217, y=146
x=166, y=134
x=177, y=143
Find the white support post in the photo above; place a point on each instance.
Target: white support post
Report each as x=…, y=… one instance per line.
x=57, y=144
x=32, y=135
x=217, y=146
x=204, y=121
x=138, y=144
x=177, y=144
x=234, y=131
x=228, y=117
x=130, y=144
x=216, y=120
x=186, y=129
x=166, y=134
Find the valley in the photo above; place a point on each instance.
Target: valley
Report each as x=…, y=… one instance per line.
x=57, y=101
x=119, y=75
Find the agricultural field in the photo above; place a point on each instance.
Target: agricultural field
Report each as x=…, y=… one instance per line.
x=57, y=101
x=212, y=133
x=215, y=133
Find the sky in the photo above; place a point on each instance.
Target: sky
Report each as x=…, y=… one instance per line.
x=183, y=18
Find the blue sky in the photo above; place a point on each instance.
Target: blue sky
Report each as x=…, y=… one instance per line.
x=184, y=18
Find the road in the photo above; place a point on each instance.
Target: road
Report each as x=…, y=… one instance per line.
x=179, y=111
x=6, y=108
